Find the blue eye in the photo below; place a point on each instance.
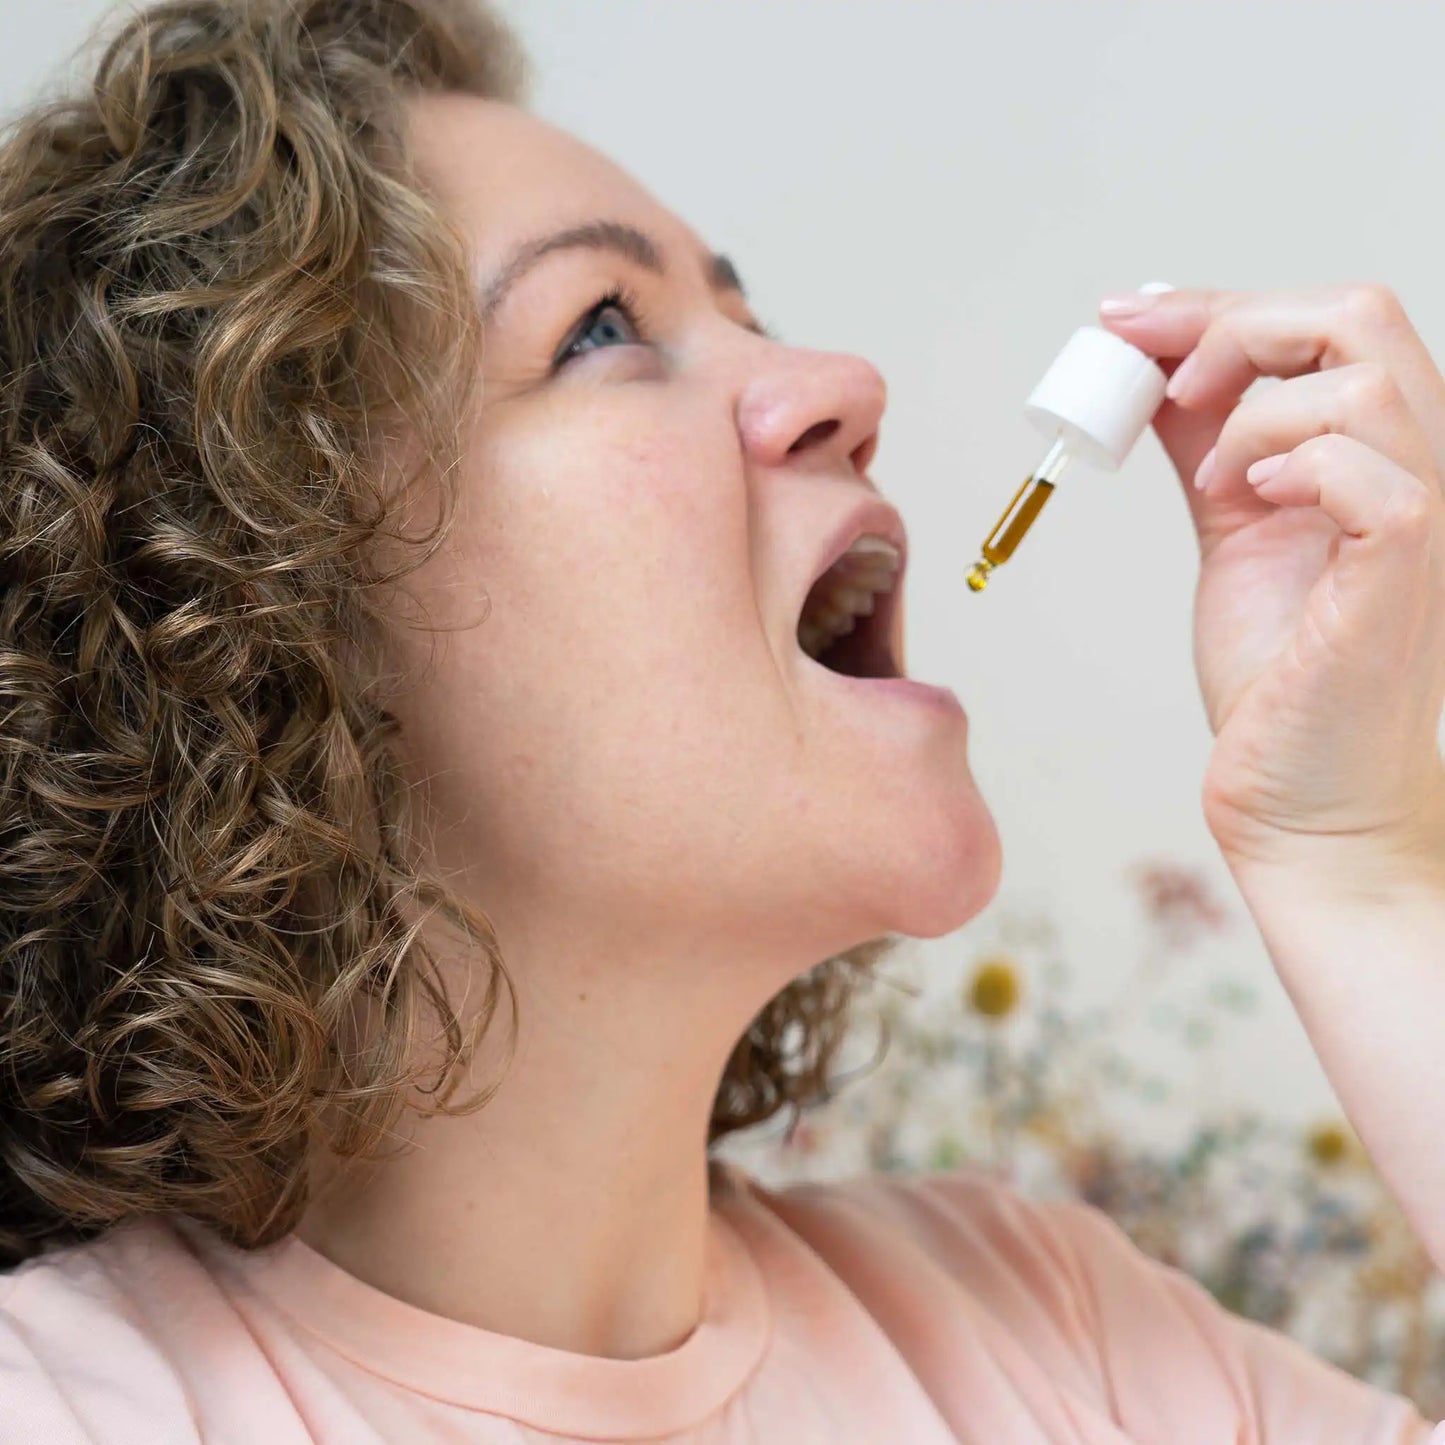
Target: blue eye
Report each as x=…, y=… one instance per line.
x=611, y=322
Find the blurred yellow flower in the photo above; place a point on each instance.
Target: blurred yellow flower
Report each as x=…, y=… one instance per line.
x=994, y=990
x=1327, y=1144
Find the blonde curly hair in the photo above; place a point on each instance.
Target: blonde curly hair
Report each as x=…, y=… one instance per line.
x=224, y=294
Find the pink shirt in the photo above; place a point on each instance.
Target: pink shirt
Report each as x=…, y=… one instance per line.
x=880, y=1309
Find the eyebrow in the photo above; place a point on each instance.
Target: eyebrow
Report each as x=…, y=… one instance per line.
x=614, y=236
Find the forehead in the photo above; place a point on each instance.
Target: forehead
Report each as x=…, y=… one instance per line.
x=505, y=175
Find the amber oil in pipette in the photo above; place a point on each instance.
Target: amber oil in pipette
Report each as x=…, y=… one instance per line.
x=1019, y=516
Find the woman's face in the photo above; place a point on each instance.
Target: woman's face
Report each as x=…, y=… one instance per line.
x=622, y=737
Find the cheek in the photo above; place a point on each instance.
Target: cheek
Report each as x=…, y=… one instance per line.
x=623, y=542
x=616, y=560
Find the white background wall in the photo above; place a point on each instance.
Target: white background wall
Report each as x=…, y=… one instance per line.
x=948, y=188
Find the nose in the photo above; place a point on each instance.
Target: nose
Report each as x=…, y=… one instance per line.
x=812, y=408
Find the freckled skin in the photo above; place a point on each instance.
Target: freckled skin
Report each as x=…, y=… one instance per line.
x=631, y=731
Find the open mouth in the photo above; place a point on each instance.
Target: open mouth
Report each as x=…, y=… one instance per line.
x=847, y=616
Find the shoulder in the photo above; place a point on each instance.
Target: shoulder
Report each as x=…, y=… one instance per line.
x=965, y=1221
x=1038, y=1267
x=1058, y=1283
x=1056, y=1274
x=80, y=1358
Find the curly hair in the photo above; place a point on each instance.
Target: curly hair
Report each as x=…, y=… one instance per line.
x=225, y=294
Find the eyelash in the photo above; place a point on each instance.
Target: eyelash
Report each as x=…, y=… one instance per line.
x=624, y=300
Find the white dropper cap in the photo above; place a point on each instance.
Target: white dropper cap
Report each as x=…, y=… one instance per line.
x=1099, y=394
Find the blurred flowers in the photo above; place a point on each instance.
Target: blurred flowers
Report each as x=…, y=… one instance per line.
x=994, y=989
x=1179, y=901
x=1328, y=1144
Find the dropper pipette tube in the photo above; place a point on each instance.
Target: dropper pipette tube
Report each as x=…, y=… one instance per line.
x=1020, y=514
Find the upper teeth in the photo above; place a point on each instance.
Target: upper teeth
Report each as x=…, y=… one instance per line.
x=846, y=592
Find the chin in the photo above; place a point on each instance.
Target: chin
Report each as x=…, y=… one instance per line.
x=945, y=899
x=948, y=878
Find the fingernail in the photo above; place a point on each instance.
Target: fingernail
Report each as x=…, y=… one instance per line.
x=1205, y=470
x=1179, y=382
x=1128, y=305
x=1266, y=467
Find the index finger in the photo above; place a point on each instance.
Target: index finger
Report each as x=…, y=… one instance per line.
x=1231, y=338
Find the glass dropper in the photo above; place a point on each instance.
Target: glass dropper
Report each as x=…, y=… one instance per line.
x=1019, y=516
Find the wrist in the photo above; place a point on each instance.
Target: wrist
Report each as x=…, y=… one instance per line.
x=1380, y=867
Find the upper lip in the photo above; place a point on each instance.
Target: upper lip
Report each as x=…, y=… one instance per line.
x=871, y=518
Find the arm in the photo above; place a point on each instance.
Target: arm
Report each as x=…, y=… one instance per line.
x=1319, y=640
x=1358, y=939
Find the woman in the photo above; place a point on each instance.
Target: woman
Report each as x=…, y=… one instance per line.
x=407, y=530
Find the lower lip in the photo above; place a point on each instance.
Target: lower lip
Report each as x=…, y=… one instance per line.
x=903, y=687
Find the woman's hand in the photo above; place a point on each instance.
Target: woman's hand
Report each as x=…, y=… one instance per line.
x=1319, y=633
x=1319, y=637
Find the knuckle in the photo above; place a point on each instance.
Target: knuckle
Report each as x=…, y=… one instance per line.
x=1367, y=388
x=1373, y=305
x=1410, y=509
x=1325, y=453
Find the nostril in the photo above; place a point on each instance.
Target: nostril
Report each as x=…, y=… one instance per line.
x=818, y=432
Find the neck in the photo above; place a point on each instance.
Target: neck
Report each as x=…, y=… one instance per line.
x=571, y=1209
